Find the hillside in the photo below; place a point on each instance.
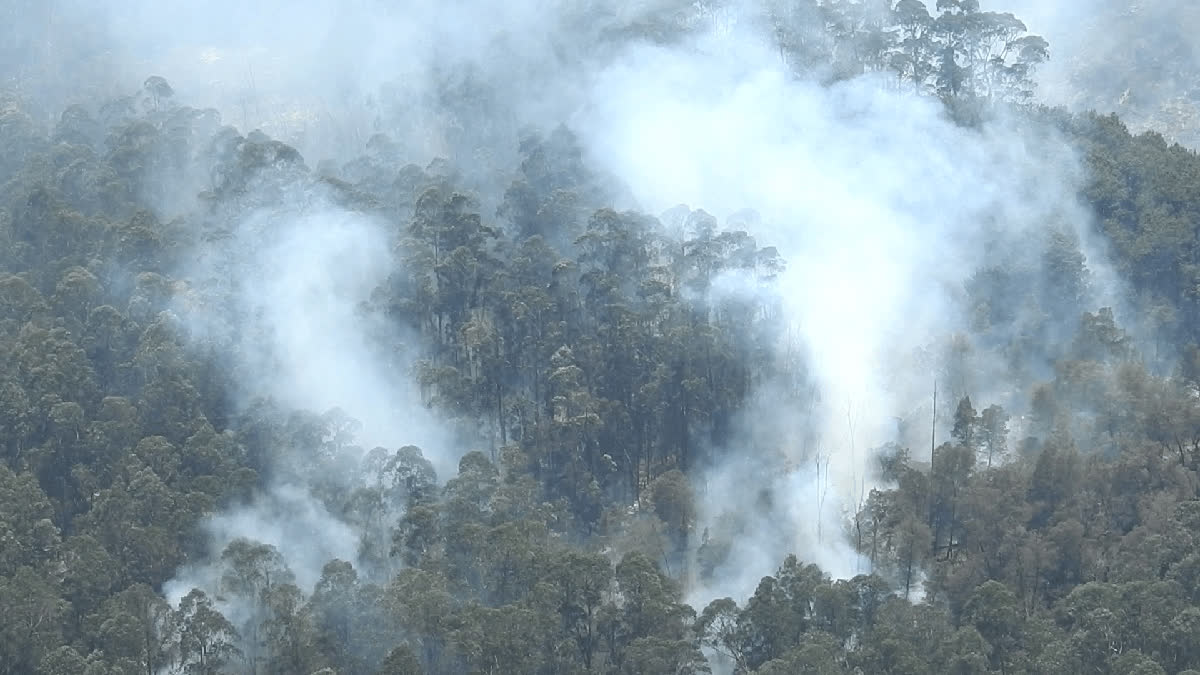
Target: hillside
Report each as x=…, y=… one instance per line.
x=680, y=338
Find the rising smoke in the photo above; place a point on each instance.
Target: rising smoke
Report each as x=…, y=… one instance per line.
x=881, y=205
x=288, y=297
x=882, y=208
x=1137, y=59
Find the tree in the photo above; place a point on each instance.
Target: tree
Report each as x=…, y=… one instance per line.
x=718, y=629
x=158, y=90
x=582, y=583
x=913, y=541
x=335, y=611
x=139, y=625
x=67, y=661
x=31, y=538
x=1185, y=628
x=252, y=572
x=206, y=637
x=949, y=477
x=970, y=652
x=288, y=630
x=408, y=477
x=993, y=610
x=993, y=433
x=418, y=601
x=30, y=626
x=966, y=423
x=816, y=654
x=672, y=500
x=660, y=655
x=498, y=639
x=86, y=574
x=915, y=58
x=400, y=661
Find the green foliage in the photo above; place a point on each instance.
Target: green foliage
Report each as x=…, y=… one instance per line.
x=590, y=357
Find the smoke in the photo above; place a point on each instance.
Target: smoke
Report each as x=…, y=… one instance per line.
x=287, y=296
x=300, y=282
x=882, y=207
x=287, y=518
x=1139, y=60
x=324, y=75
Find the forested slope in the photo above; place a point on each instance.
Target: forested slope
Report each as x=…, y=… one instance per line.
x=1135, y=59
x=580, y=368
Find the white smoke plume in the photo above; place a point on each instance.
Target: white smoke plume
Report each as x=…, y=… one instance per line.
x=880, y=205
x=291, y=288
x=302, y=280
x=882, y=208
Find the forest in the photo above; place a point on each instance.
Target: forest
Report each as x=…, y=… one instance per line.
x=489, y=410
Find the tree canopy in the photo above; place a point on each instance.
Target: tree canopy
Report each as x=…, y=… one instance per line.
x=587, y=364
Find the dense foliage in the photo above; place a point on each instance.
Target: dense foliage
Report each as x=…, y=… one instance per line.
x=592, y=359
